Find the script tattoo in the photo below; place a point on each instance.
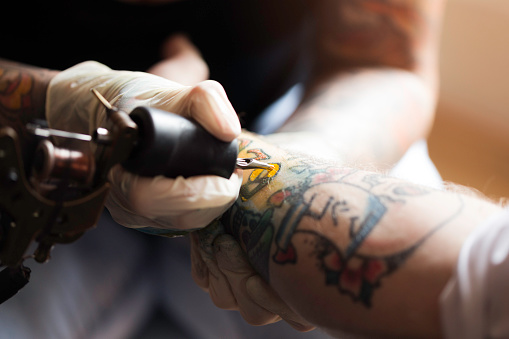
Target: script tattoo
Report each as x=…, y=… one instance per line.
x=343, y=263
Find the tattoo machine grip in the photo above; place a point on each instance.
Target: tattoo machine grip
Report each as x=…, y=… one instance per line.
x=171, y=145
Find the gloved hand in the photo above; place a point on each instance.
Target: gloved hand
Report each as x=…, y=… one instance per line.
x=156, y=205
x=221, y=268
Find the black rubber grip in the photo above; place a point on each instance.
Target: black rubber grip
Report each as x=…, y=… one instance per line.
x=172, y=146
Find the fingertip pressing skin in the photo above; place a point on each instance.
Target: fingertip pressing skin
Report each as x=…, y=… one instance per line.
x=234, y=265
x=216, y=282
x=258, y=289
x=199, y=271
x=220, y=291
x=181, y=203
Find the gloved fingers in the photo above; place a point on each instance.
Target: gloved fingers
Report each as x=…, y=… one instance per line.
x=182, y=62
x=267, y=298
x=219, y=288
x=71, y=106
x=234, y=264
x=205, y=102
x=185, y=203
x=69, y=103
x=199, y=270
x=208, y=104
x=169, y=204
x=155, y=196
x=215, y=282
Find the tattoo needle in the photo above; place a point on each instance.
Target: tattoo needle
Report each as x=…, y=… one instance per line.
x=249, y=163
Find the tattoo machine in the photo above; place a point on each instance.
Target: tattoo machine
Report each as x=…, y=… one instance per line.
x=171, y=145
x=65, y=190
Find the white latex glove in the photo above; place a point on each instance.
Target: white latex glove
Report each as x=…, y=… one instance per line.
x=156, y=205
x=221, y=268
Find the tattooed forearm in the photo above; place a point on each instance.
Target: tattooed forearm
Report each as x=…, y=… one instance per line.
x=371, y=116
x=336, y=241
x=22, y=94
x=316, y=197
x=355, y=274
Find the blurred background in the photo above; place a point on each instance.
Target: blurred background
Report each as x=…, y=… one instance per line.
x=470, y=139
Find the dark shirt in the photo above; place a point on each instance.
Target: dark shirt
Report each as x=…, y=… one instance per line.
x=254, y=48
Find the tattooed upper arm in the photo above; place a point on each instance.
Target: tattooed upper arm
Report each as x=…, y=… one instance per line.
x=22, y=94
x=393, y=33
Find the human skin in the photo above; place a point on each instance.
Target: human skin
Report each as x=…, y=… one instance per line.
x=373, y=81
x=368, y=102
x=22, y=95
x=347, y=250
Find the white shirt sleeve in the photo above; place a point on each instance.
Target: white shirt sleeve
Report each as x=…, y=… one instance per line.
x=475, y=302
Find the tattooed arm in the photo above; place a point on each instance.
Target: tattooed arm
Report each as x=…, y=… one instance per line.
x=22, y=94
x=347, y=250
x=374, y=78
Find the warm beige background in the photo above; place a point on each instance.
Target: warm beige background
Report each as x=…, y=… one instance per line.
x=470, y=140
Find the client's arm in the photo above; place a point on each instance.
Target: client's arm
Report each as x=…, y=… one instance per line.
x=347, y=250
x=372, y=85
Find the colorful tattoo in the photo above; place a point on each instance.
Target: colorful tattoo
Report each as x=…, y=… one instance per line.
x=259, y=178
x=309, y=195
x=22, y=94
x=14, y=89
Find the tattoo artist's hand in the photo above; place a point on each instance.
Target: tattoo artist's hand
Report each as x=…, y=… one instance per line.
x=159, y=204
x=220, y=267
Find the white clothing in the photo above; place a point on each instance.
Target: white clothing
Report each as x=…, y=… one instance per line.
x=475, y=302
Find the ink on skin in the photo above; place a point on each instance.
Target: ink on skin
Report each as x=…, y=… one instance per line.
x=353, y=274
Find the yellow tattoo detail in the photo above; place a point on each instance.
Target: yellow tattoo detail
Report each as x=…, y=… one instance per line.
x=256, y=173
x=258, y=179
